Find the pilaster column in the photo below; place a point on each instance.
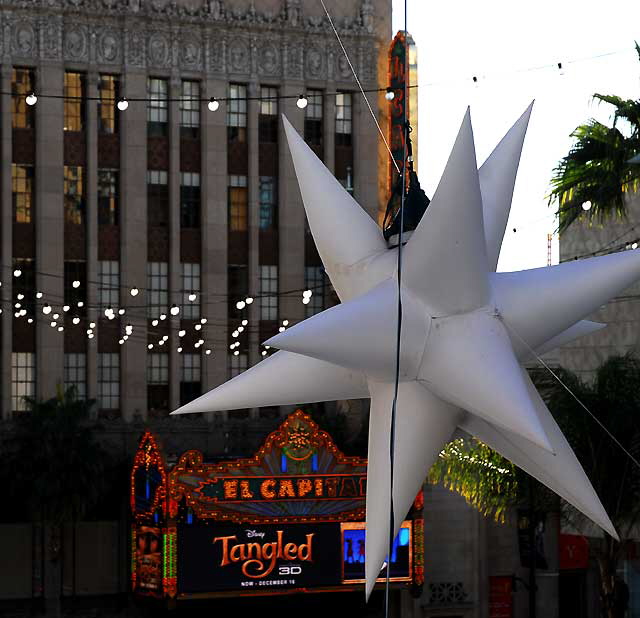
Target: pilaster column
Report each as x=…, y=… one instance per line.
x=49, y=176
x=7, y=235
x=329, y=128
x=365, y=142
x=213, y=273
x=175, y=92
x=92, y=230
x=133, y=246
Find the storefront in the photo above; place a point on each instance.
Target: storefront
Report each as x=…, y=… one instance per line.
x=288, y=520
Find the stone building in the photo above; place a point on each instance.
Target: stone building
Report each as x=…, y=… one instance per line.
x=195, y=210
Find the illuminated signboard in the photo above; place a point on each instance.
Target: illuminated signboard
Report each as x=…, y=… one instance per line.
x=289, y=518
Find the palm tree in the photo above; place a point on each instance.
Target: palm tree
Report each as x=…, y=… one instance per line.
x=54, y=466
x=597, y=169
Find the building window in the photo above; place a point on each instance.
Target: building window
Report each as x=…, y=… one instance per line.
x=158, y=381
x=23, y=82
x=190, y=378
x=238, y=285
x=22, y=181
x=238, y=363
x=268, y=118
x=157, y=198
x=157, y=107
x=238, y=204
x=158, y=288
x=268, y=292
x=75, y=373
x=268, y=101
x=109, y=92
x=74, y=101
x=23, y=379
x=343, y=118
x=108, y=197
x=75, y=297
x=23, y=287
x=109, y=380
x=189, y=199
x=268, y=203
x=108, y=284
x=190, y=109
x=313, y=115
x=314, y=280
x=190, y=286
x=237, y=113
x=73, y=194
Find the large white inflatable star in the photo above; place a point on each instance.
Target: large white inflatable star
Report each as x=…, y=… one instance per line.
x=465, y=332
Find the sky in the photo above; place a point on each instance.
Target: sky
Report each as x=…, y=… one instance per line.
x=500, y=42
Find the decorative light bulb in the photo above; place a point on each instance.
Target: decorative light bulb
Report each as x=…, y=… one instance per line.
x=150, y=346
x=207, y=351
x=281, y=329
x=53, y=324
x=302, y=101
x=179, y=350
x=23, y=312
x=89, y=331
x=76, y=284
x=92, y=324
x=235, y=333
x=80, y=304
x=285, y=322
x=390, y=94
x=248, y=300
x=236, y=353
x=134, y=291
x=307, y=294
x=198, y=326
x=65, y=308
x=163, y=316
x=213, y=104
x=90, y=335
x=264, y=352
x=17, y=272
x=29, y=321
x=240, y=304
x=121, y=341
x=240, y=329
x=20, y=296
x=122, y=104
x=182, y=333
x=121, y=311
x=17, y=305
x=175, y=310
x=76, y=320
x=245, y=322
x=306, y=300
x=192, y=297
x=60, y=329
x=203, y=320
x=31, y=99
x=46, y=309
x=586, y=205
x=154, y=322
x=38, y=294
x=56, y=316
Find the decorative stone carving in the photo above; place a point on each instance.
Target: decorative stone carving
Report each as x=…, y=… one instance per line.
x=158, y=49
x=293, y=13
x=315, y=62
x=75, y=43
x=50, y=29
x=366, y=14
x=294, y=62
x=24, y=39
x=344, y=72
x=191, y=53
x=135, y=48
x=239, y=56
x=269, y=59
x=108, y=46
x=216, y=9
x=216, y=53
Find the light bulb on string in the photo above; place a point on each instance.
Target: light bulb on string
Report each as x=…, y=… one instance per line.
x=53, y=324
x=236, y=353
x=240, y=304
x=89, y=331
x=23, y=312
x=175, y=310
x=307, y=294
x=154, y=322
x=17, y=272
x=16, y=314
x=586, y=205
x=65, y=308
x=29, y=321
x=306, y=300
x=235, y=333
x=134, y=291
x=240, y=329
x=302, y=101
x=121, y=342
x=125, y=337
x=281, y=329
x=20, y=296
x=17, y=305
x=163, y=316
x=285, y=322
x=122, y=104
x=56, y=316
x=80, y=304
x=76, y=284
x=207, y=351
x=121, y=311
x=264, y=352
x=245, y=322
x=150, y=346
x=213, y=104
x=182, y=333
x=60, y=329
x=90, y=335
x=192, y=297
x=161, y=342
x=203, y=320
x=76, y=320
x=179, y=350
x=92, y=324
x=31, y=99
x=390, y=94
x=38, y=294
x=128, y=329
x=248, y=300
x=198, y=326
x=165, y=337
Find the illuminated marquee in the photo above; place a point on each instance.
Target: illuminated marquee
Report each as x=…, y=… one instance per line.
x=288, y=519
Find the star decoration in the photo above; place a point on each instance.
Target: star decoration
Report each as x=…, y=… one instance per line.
x=465, y=332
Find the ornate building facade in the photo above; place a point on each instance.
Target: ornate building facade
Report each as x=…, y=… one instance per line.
x=131, y=238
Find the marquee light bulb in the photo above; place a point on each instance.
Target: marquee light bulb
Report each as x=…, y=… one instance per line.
x=31, y=99
x=302, y=101
x=123, y=104
x=134, y=291
x=213, y=104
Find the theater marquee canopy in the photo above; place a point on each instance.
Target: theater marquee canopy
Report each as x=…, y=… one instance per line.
x=289, y=519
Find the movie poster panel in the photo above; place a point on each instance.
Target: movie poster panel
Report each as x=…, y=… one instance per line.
x=149, y=561
x=257, y=558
